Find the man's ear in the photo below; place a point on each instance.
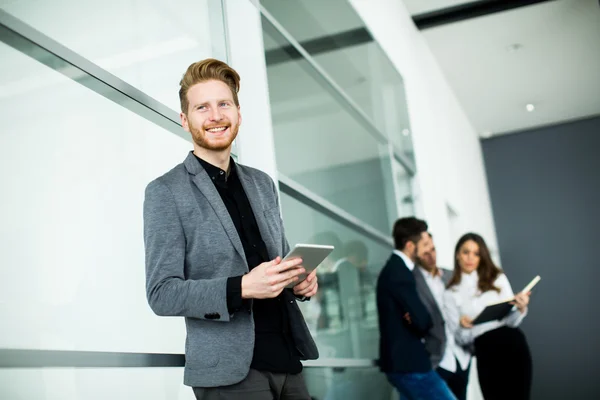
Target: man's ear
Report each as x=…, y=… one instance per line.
x=184, y=122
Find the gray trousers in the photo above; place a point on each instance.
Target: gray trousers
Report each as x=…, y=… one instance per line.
x=259, y=385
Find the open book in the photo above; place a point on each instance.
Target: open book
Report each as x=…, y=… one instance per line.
x=500, y=309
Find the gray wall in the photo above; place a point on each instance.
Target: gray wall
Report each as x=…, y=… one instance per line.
x=545, y=190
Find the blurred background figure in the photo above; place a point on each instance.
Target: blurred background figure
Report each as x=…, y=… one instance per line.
x=328, y=297
x=351, y=271
x=404, y=320
x=504, y=362
x=449, y=360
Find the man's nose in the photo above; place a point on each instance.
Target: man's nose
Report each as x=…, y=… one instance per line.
x=216, y=114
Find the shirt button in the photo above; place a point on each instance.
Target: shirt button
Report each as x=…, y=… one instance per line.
x=220, y=172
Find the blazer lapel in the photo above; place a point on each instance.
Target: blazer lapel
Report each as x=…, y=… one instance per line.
x=257, y=208
x=207, y=188
x=424, y=291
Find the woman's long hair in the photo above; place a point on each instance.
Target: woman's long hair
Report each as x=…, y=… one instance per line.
x=487, y=271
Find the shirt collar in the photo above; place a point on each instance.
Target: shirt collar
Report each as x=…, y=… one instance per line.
x=218, y=176
x=469, y=281
x=427, y=274
x=409, y=263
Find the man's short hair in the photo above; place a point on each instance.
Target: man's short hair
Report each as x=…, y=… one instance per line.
x=208, y=70
x=408, y=229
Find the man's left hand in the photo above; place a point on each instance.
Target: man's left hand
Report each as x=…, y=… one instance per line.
x=308, y=287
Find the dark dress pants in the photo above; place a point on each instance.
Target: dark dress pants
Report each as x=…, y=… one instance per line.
x=457, y=381
x=259, y=385
x=504, y=364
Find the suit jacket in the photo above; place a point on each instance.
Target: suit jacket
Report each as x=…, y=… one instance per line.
x=435, y=339
x=401, y=349
x=192, y=247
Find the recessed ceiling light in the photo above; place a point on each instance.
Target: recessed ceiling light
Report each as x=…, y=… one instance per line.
x=530, y=107
x=512, y=48
x=405, y=132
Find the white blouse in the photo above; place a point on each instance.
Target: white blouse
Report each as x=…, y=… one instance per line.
x=466, y=299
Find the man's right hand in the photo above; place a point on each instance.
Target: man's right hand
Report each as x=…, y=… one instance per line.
x=268, y=279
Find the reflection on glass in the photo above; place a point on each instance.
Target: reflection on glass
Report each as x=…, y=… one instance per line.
x=404, y=186
x=347, y=383
x=337, y=39
x=148, y=44
x=322, y=146
x=343, y=317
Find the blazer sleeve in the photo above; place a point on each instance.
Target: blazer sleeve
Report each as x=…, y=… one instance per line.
x=403, y=289
x=168, y=292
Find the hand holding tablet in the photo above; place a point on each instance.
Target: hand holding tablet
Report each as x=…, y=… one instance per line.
x=312, y=256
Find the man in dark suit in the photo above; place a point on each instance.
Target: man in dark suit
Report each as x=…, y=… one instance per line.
x=214, y=240
x=404, y=320
x=449, y=360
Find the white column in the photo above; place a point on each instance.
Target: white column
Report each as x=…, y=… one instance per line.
x=255, y=143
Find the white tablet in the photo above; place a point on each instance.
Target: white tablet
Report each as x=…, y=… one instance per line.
x=311, y=254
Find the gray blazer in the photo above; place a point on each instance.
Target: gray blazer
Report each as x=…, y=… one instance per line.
x=192, y=247
x=435, y=340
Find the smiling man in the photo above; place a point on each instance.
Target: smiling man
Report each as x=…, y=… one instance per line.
x=214, y=240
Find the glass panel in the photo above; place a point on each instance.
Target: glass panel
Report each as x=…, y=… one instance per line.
x=347, y=383
x=338, y=41
x=343, y=317
x=73, y=168
x=148, y=44
x=366, y=75
x=321, y=145
x=308, y=20
x=94, y=384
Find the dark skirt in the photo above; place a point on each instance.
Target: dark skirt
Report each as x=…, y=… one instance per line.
x=504, y=364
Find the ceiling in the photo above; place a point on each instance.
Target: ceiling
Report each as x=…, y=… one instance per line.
x=547, y=55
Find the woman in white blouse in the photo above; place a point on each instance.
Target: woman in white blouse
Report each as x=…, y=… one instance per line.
x=503, y=358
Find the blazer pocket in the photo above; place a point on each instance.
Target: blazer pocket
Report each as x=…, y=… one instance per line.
x=195, y=358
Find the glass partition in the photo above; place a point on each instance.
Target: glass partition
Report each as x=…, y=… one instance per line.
x=343, y=316
x=322, y=145
x=338, y=41
x=147, y=44
x=74, y=166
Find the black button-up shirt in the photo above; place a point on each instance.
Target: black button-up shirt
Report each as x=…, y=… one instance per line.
x=274, y=350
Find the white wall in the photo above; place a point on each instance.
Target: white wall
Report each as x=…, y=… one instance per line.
x=256, y=146
x=447, y=150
